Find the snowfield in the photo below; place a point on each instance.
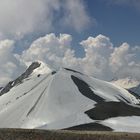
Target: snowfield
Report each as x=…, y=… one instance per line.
x=66, y=98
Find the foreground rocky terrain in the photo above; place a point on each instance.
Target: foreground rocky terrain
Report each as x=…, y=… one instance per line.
x=24, y=134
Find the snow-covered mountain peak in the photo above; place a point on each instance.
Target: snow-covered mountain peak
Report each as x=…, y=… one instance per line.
x=35, y=68
x=63, y=99
x=42, y=69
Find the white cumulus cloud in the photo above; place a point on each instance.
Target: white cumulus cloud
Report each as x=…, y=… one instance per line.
x=50, y=49
x=124, y=63
x=10, y=67
x=102, y=59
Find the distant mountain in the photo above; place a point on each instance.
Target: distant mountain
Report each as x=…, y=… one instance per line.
x=129, y=84
x=67, y=99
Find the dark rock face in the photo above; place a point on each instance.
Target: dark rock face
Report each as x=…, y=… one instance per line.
x=84, y=88
x=107, y=110
x=91, y=127
x=53, y=72
x=134, y=93
x=135, y=90
x=19, y=80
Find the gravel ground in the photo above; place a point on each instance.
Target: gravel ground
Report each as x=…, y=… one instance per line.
x=30, y=134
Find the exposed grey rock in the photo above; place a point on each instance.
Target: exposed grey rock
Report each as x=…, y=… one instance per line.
x=135, y=90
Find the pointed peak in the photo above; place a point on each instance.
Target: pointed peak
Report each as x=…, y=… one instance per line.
x=42, y=68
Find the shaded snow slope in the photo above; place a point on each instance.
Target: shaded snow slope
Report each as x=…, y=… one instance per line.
x=64, y=99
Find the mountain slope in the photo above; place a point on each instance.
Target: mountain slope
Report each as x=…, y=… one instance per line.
x=65, y=99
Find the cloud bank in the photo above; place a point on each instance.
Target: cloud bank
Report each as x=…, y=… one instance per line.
x=22, y=17
x=10, y=66
x=101, y=60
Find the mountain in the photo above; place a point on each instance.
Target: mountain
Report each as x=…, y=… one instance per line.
x=67, y=99
x=130, y=84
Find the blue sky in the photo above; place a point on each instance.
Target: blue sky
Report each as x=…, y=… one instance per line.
x=119, y=22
